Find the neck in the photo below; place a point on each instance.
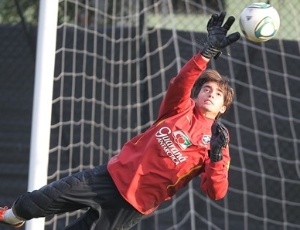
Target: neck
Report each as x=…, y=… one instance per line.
x=205, y=114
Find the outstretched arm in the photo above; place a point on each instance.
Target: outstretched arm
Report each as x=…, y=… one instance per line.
x=178, y=93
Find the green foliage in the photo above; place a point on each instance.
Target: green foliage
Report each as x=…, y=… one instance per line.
x=12, y=11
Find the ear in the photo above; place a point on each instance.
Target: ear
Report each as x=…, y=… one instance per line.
x=223, y=109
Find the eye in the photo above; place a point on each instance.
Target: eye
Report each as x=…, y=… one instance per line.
x=220, y=94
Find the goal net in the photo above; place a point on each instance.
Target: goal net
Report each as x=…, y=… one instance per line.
x=114, y=60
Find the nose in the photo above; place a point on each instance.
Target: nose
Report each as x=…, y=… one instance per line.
x=212, y=94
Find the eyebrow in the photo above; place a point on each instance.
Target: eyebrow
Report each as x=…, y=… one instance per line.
x=219, y=89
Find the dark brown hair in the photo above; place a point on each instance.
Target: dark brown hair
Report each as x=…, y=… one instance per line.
x=211, y=75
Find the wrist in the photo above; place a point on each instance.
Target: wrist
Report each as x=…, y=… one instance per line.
x=210, y=52
x=215, y=156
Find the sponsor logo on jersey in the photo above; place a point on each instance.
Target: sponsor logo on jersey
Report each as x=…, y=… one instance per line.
x=181, y=139
x=165, y=138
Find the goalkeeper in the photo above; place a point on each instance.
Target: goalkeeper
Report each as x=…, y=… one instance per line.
x=185, y=141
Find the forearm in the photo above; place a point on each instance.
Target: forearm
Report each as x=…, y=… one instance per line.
x=214, y=182
x=179, y=90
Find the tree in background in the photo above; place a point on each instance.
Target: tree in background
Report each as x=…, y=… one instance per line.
x=14, y=12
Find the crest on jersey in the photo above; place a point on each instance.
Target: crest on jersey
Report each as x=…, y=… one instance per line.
x=205, y=139
x=181, y=139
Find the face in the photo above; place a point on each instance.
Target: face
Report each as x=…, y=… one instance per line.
x=210, y=100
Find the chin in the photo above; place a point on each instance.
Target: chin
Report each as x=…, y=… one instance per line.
x=207, y=108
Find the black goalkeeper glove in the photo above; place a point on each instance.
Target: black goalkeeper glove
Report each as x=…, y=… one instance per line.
x=219, y=140
x=216, y=37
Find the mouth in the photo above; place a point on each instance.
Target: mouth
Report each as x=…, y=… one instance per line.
x=208, y=102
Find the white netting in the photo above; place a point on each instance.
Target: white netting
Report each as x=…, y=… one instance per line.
x=114, y=60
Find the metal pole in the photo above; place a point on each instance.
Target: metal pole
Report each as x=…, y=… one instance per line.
x=42, y=102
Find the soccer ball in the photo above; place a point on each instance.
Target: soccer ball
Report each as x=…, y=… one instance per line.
x=259, y=22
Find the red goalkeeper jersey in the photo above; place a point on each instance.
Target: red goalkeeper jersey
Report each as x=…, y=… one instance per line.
x=154, y=165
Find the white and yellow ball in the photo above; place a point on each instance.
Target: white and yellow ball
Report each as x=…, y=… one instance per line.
x=259, y=22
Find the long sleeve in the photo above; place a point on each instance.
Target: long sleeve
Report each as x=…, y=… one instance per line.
x=214, y=179
x=178, y=94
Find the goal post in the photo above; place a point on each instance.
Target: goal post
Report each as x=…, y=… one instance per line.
x=42, y=105
x=113, y=62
